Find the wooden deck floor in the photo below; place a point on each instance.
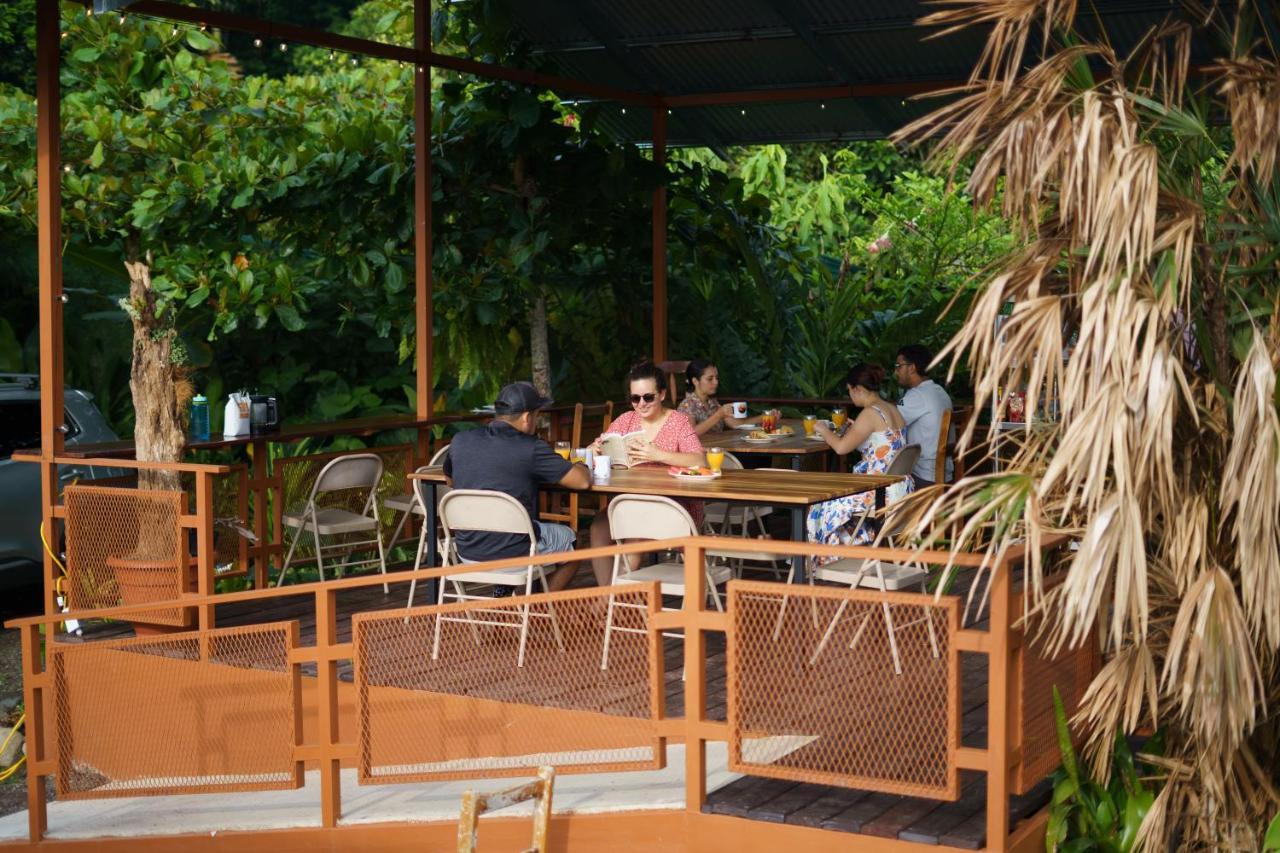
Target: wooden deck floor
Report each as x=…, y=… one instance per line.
x=958, y=824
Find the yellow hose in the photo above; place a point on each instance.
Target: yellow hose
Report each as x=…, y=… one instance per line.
x=44, y=541
x=9, y=771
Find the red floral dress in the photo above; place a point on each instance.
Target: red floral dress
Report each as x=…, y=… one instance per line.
x=676, y=435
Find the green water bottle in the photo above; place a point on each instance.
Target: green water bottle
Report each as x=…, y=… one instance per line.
x=200, y=418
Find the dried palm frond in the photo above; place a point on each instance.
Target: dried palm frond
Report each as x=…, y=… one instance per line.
x=1158, y=244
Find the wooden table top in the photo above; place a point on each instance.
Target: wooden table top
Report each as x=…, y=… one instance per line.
x=778, y=488
x=735, y=441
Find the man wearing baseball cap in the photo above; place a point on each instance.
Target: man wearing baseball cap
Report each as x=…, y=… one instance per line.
x=505, y=456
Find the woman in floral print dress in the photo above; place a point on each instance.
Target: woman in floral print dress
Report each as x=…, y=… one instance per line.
x=879, y=434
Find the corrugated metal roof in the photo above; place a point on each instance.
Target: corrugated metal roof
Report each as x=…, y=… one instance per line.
x=703, y=47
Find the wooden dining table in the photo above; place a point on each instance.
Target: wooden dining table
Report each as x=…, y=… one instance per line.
x=796, y=446
x=792, y=490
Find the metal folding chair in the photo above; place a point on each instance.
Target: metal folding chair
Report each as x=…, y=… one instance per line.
x=652, y=517
x=411, y=503
x=491, y=512
x=359, y=471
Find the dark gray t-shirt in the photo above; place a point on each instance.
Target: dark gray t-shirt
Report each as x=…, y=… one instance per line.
x=498, y=456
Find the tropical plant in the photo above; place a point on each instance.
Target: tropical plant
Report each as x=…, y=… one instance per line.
x=1091, y=814
x=1152, y=238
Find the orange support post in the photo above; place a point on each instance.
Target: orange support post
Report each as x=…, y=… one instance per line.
x=999, y=713
x=49, y=241
x=660, y=238
x=422, y=211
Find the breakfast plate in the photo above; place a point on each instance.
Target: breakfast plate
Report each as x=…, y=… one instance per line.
x=693, y=474
x=763, y=439
x=747, y=427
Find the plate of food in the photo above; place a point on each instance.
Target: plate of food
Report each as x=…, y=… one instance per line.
x=759, y=436
x=692, y=474
x=747, y=427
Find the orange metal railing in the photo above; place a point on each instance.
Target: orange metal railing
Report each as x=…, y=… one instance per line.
x=799, y=707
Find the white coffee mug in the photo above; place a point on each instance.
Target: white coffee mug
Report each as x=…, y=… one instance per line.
x=602, y=470
x=739, y=410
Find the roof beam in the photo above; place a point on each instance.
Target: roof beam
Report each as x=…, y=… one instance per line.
x=887, y=89
x=639, y=69
x=379, y=50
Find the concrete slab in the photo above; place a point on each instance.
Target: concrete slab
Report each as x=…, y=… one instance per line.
x=427, y=801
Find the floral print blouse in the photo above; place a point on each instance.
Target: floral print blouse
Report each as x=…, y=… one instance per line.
x=698, y=411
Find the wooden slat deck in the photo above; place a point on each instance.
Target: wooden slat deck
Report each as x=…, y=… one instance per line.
x=957, y=824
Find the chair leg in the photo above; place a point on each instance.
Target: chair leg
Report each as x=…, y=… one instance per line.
x=826, y=635
x=713, y=592
x=551, y=611
x=417, y=563
x=893, y=640
x=297, y=534
x=435, y=645
x=315, y=535
x=382, y=562
x=459, y=592
x=782, y=611
x=608, y=619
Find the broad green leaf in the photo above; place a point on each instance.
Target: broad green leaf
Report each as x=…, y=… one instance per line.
x=289, y=318
x=1271, y=841
x=200, y=41
x=98, y=156
x=86, y=54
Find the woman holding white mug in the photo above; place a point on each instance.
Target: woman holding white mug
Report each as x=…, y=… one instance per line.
x=700, y=404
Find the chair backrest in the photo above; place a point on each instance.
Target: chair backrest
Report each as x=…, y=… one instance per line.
x=905, y=460
x=944, y=441
x=485, y=510
x=439, y=456
x=441, y=488
x=674, y=369
x=649, y=517
x=356, y=471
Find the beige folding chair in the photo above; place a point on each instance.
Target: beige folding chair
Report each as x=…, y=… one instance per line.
x=725, y=519
x=873, y=574
x=411, y=503
x=346, y=473
x=652, y=517
x=491, y=512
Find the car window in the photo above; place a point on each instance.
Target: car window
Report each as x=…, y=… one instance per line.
x=19, y=425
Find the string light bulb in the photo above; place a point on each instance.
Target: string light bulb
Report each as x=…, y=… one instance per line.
x=283, y=47
x=624, y=110
x=66, y=167
x=822, y=106
x=354, y=61
x=174, y=31
x=122, y=17
x=257, y=42
x=333, y=54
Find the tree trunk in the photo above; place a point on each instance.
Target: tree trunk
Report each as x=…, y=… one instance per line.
x=156, y=383
x=539, y=352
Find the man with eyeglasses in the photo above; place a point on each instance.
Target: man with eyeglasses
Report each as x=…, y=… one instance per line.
x=921, y=407
x=506, y=456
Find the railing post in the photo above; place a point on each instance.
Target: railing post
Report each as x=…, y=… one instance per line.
x=327, y=700
x=37, y=749
x=999, y=697
x=695, y=683
x=205, y=556
x=259, y=485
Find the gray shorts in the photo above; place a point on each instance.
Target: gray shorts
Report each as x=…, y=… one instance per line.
x=555, y=538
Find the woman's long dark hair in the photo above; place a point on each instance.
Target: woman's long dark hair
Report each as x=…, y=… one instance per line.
x=694, y=371
x=865, y=375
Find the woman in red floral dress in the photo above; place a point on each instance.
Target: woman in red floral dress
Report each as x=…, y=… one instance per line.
x=668, y=439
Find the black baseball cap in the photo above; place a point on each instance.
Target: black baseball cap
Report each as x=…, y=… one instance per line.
x=520, y=397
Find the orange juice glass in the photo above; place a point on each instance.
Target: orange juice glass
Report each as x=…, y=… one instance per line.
x=715, y=458
x=562, y=447
x=809, y=422
x=838, y=417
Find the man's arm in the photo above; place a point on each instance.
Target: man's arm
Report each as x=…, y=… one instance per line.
x=577, y=477
x=913, y=407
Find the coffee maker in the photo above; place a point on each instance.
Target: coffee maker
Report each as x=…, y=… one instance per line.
x=264, y=414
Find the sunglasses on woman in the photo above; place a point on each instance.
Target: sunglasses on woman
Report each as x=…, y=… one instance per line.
x=648, y=398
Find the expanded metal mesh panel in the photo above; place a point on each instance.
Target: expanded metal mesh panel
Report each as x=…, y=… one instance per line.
x=298, y=474
x=813, y=694
x=184, y=713
x=124, y=546
x=465, y=708
x=1070, y=671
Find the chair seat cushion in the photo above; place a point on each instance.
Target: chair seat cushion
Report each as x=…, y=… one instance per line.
x=846, y=570
x=671, y=576
x=331, y=521
x=749, y=556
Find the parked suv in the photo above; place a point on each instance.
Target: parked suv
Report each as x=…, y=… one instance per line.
x=20, y=549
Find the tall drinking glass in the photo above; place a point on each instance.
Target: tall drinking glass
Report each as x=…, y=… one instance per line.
x=715, y=458
x=562, y=447
x=838, y=417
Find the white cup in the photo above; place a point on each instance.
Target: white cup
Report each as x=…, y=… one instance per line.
x=589, y=458
x=739, y=410
x=602, y=469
